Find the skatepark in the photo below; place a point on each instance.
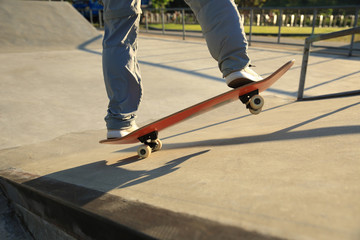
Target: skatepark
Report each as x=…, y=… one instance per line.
x=291, y=172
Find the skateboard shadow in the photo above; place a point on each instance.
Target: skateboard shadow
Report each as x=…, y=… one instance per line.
x=277, y=136
x=133, y=149
x=83, y=184
x=284, y=134
x=225, y=121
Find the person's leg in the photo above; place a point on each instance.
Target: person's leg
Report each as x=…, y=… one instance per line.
x=224, y=33
x=120, y=67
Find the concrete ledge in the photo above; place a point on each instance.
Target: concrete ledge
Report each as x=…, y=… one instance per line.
x=69, y=211
x=10, y=225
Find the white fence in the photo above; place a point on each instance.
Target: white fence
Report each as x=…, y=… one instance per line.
x=303, y=20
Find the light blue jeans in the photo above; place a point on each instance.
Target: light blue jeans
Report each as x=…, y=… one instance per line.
x=221, y=26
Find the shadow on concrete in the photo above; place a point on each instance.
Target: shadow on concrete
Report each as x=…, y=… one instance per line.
x=75, y=201
x=284, y=134
x=281, y=135
x=103, y=178
x=277, y=136
x=197, y=73
x=331, y=95
x=224, y=122
x=332, y=80
x=294, y=93
x=342, y=50
x=85, y=45
x=133, y=149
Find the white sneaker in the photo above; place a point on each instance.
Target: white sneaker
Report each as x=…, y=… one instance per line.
x=114, y=133
x=242, y=77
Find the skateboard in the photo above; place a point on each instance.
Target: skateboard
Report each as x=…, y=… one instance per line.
x=248, y=94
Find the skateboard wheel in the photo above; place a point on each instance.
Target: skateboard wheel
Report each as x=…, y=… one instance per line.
x=144, y=151
x=256, y=102
x=255, y=111
x=158, y=145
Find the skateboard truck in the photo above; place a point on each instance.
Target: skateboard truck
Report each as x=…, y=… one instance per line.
x=151, y=144
x=253, y=101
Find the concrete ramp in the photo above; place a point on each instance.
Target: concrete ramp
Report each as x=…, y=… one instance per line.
x=31, y=25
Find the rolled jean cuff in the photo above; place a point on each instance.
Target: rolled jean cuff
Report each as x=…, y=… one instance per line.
x=119, y=122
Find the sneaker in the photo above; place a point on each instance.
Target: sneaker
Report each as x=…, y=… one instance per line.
x=242, y=77
x=119, y=133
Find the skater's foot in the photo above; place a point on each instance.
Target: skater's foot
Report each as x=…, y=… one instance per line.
x=119, y=133
x=242, y=77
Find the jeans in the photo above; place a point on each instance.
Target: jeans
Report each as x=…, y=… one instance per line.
x=221, y=26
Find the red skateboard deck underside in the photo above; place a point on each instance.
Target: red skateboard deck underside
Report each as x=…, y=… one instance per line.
x=202, y=107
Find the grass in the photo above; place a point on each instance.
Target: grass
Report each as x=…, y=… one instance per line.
x=177, y=27
x=267, y=30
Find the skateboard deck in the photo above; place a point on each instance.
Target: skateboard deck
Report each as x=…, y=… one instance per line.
x=248, y=94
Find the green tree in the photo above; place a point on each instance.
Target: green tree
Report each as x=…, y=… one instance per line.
x=241, y=3
x=250, y=3
x=309, y=3
x=160, y=3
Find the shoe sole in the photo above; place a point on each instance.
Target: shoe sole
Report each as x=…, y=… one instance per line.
x=239, y=82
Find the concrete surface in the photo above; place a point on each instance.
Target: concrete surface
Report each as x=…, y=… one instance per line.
x=36, y=25
x=291, y=172
x=333, y=46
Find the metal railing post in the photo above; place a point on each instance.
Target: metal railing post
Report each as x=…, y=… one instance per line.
x=353, y=36
x=146, y=21
x=251, y=23
x=304, y=68
x=183, y=22
x=91, y=16
x=163, y=21
x=308, y=42
x=280, y=25
x=100, y=19
x=314, y=21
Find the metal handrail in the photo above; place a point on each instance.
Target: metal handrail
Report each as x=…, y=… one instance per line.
x=315, y=38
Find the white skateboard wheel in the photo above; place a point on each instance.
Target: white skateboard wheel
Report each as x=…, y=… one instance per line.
x=158, y=145
x=256, y=102
x=144, y=151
